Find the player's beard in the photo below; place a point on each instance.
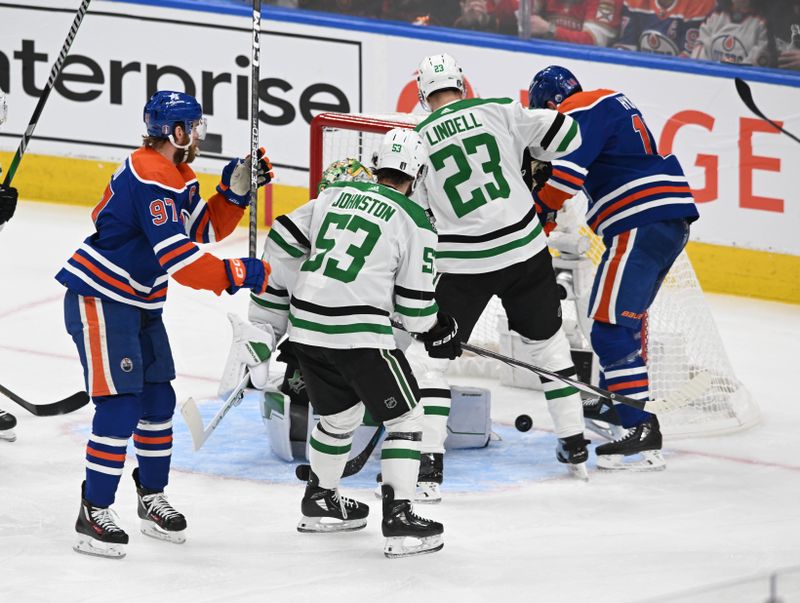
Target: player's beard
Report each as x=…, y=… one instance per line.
x=185, y=155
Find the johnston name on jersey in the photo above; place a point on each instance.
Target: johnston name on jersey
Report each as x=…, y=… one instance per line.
x=344, y=263
x=147, y=226
x=483, y=210
x=628, y=183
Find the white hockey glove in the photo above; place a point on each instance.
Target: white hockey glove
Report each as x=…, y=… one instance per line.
x=235, y=182
x=251, y=349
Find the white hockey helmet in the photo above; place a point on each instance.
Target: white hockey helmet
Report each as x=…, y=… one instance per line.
x=3, y=107
x=437, y=72
x=403, y=150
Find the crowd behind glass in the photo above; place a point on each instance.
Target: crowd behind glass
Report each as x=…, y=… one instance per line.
x=746, y=32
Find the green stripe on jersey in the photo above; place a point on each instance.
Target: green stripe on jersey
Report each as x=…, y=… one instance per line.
x=467, y=103
x=560, y=393
x=568, y=137
x=399, y=376
x=487, y=253
x=414, y=312
x=414, y=211
x=268, y=304
x=359, y=327
x=281, y=242
x=327, y=449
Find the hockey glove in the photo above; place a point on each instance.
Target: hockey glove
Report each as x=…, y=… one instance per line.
x=441, y=340
x=8, y=203
x=540, y=173
x=235, y=182
x=250, y=273
x=547, y=217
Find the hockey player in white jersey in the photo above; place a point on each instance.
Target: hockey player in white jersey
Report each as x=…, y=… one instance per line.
x=342, y=265
x=490, y=241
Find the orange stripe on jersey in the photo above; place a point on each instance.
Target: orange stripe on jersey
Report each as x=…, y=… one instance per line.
x=628, y=384
x=95, y=352
x=110, y=280
x=103, y=202
x=152, y=440
x=610, y=277
x=656, y=190
x=552, y=197
x=580, y=100
x=568, y=177
x=176, y=252
x=108, y=456
x=151, y=165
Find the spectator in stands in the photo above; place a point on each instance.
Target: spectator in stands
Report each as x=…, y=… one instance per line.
x=668, y=27
x=736, y=32
x=358, y=8
x=783, y=21
x=422, y=12
x=496, y=16
x=580, y=21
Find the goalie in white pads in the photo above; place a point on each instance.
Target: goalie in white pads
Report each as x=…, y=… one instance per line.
x=490, y=241
x=343, y=264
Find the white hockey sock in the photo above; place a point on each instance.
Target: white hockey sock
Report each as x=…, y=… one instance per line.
x=328, y=454
x=436, y=404
x=400, y=453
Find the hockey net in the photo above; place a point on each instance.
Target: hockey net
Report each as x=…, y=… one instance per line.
x=680, y=336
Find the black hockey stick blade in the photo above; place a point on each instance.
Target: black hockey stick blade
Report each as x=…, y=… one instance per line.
x=354, y=465
x=62, y=407
x=746, y=94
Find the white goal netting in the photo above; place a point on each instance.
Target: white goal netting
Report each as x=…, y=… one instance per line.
x=681, y=337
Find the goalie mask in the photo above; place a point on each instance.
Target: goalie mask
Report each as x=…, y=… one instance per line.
x=403, y=150
x=345, y=170
x=438, y=72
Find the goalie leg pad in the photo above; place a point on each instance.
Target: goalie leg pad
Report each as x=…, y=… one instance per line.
x=470, y=422
x=330, y=444
x=276, y=412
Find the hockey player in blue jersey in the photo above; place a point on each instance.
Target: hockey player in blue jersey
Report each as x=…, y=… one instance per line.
x=147, y=227
x=641, y=205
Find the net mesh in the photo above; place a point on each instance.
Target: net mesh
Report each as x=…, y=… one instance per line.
x=681, y=337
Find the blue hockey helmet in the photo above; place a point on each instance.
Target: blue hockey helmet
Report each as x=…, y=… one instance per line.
x=167, y=108
x=553, y=83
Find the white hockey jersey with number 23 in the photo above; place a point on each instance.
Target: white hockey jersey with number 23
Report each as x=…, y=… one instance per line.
x=346, y=262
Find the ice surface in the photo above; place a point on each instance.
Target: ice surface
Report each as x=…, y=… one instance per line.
x=515, y=527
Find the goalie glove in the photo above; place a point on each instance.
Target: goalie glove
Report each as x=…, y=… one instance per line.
x=441, y=341
x=235, y=182
x=251, y=349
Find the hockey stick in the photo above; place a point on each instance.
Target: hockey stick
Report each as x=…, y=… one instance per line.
x=54, y=73
x=62, y=407
x=743, y=89
x=354, y=465
x=191, y=414
x=254, y=139
x=692, y=389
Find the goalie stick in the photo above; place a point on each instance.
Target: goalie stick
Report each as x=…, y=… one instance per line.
x=743, y=89
x=354, y=465
x=37, y=112
x=62, y=407
x=191, y=414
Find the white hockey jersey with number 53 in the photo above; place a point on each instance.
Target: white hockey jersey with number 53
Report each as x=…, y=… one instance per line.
x=484, y=213
x=346, y=262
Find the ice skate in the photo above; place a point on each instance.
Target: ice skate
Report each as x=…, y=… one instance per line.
x=407, y=533
x=98, y=532
x=7, y=424
x=573, y=453
x=325, y=510
x=601, y=418
x=159, y=519
x=642, y=443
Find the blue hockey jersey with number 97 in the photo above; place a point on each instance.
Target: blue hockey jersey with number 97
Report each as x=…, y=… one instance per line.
x=618, y=166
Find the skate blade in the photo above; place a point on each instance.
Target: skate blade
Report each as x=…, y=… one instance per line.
x=319, y=525
x=428, y=493
x=649, y=460
x=8, y=436
x=87, y=545
x=579, y=471
x=603, y=429
x=150, y=528
x=396, y=546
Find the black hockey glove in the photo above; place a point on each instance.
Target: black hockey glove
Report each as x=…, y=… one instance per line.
x=441, y=340
x=8, y=203
x=534, y=172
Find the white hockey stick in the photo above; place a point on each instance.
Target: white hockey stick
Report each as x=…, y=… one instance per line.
x=194, y=421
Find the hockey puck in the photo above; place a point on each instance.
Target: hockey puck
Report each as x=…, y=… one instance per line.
x=302, y=472
x=523, y=423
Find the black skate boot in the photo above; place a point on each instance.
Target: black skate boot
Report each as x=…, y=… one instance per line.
x=572, y=452
x=642, y=442
x=429, y=479
x=159, y=519
x=98, y=532
x=7, y=424
x=601, y=417
x=400, y=522
x=320, y=504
